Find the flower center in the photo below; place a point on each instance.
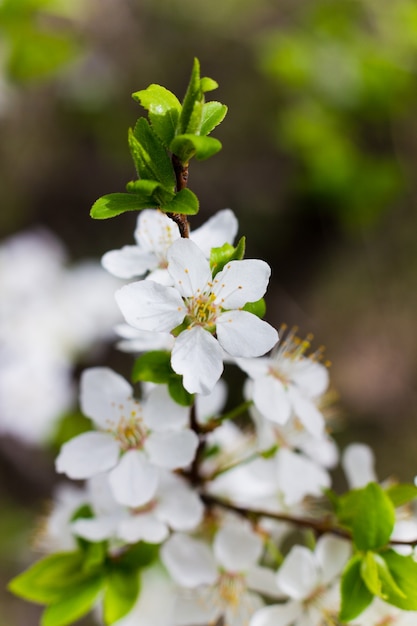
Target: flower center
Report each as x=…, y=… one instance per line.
x=230, y=587
x=131, y=430
x=202, y=310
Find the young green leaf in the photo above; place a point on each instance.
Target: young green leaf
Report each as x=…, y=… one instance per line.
x=138, y=556
x=403, y=570
x=213, y=113
x=154, y=367
x=377, y=577
x=76, y=603
x=164, y=110
x=369, y=513
x=219, y=257
x=401, y=494
x=188, y=121
x=354, y=593
x=117, y=203
x=178, y=393
x=121, y=591
x=49, y=579
x=258, y=308
x=185, y=202
x=208, y=84
x=186, y=146
x=150, y=157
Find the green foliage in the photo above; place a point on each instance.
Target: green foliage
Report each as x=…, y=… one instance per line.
x=219, y=257
x=344, y=71
x=369, y=514
x=401, y=494
x=174, y=130
x=120, y=594
x=69, y=583
x=33, y=49
x=155, y=367
x=355, y=594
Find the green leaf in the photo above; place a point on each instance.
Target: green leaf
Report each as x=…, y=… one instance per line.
x=192, y=105
x=75, y=604
x=374, y=519
x=121, y=592
x=150, y=190
x=401, y=494
x=185, y=202
x=377, y=577
x=178, y=393
x=347, y=506
x=258, y=308
x=138, y=556
x=117, y=203
x=355, y=595
x=213, y=113
x=150, y=157
x=49, y=579
x=219, y=257
x=94, y=555
x=186, y=146
x=208, y=84
x=403, y=570
x=164, y=110
x=154, y=367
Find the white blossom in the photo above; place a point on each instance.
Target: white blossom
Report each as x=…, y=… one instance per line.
x=136, y=438
x=308, y=580
x=174, y=505
x=155, y=233
x=205, y=305
x=222, y=581
x=288, y=384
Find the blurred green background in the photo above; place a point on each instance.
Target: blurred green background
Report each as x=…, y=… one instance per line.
x=318, y=160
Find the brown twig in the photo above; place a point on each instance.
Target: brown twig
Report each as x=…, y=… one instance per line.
x=181, y=176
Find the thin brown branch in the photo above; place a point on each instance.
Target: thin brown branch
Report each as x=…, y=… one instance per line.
x=181, y=176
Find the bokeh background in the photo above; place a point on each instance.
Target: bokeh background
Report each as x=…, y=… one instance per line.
x=318, y=162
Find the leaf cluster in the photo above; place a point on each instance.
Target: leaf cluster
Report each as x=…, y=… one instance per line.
x=162, y=147
x=375, y=569
x=70, y=583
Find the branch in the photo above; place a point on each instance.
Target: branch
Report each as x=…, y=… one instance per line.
x=181, y=176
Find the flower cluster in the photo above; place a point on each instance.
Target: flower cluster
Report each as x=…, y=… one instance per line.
x=189, y=507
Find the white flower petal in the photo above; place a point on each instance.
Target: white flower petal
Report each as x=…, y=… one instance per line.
x=198, y=357
x=311, y=377
x=189, y=561
x=134, y=480
x=102, y=393
x=298, y=576
x=150, y=306
x=240, y=282
x=271, y=399
x=237, y=548
x=156, y=232
x=172, y=449
x=255, y=368
x=263, y=580
x=307, y=413
x=142, y=527
x=219, y=229
x=332, y=554
x=189, y=268
x=358, y=463
x=212, y=404
x=95, y=529
x=297, y=476
x=128, y=262
x=178, y=506
x=277, y=615
x=87, y=454
x=161, y=412
x=243, y=334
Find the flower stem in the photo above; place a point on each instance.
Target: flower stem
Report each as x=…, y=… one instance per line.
x=181, y=176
